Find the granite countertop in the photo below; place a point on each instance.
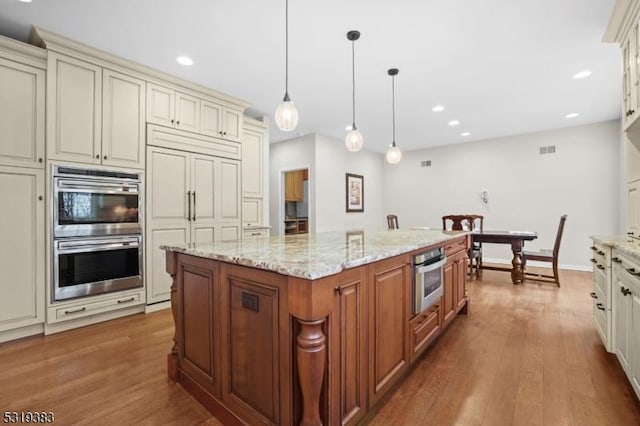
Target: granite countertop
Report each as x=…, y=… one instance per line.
x=313, y=256
x=625, y=244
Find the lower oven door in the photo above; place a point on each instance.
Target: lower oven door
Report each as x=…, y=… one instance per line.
x=87, y=266
x=428, y=282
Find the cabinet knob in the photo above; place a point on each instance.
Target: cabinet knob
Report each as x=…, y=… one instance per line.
x=40, y=198
x=172, y=121
x=593, y=295
x=220, y=132
x=105, y=157
x=40, y=160
x=98, y=156
x=224, y=133
x=178, y=122
x=600, y=306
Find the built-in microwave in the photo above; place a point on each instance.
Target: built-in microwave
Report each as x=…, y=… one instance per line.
x=89, y=202
x=428, y=278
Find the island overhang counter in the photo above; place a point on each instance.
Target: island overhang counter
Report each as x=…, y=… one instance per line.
x=304, y=329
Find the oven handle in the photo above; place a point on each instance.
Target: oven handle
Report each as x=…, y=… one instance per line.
x=99, y=187
x=68, y=247
x=432, y=267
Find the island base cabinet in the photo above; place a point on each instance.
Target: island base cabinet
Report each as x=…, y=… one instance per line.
x=389, y=312
x=255, y=355
x=425, y=327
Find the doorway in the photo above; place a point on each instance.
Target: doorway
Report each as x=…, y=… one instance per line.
x=295, y=202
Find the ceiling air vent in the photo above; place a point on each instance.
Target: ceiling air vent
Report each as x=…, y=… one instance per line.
x=425, y=163
x=551, y=149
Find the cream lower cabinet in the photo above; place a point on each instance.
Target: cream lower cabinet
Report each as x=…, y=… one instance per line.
x=191, y=198
x=626, y=313
x=22, y=263
x=22, y=90
x=94, y=115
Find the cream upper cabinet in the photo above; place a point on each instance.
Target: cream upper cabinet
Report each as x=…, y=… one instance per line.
x=123, y=120
x=160, y=105
x=221, y=122
x=187, y=112
x=22, y=114
x=74, y=104
x=23, y=262
x=252, y=162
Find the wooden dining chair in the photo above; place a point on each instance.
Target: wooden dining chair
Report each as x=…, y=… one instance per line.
x=467, y=222
x=476, y=223
x=392, y=221
x=546, y=256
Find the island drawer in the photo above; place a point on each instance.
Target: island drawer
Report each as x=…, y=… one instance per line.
x=454, y=246
x=425, y=327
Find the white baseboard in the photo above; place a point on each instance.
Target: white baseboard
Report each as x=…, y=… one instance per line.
x=157, y=307
x=541, y=264
x=21, y=332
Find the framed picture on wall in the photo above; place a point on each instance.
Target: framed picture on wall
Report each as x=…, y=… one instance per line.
x=355, y=193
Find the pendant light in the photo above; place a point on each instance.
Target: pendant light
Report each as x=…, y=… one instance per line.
x=354, y=139
x=394, y=155
x=286, y=113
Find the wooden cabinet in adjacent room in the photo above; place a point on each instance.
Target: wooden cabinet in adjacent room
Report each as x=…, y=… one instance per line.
x=191, y=198
x=293, y=188
x=22, y=223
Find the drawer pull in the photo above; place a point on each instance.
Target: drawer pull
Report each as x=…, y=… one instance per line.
x=625, y=291
x=593, y=248
x=75, y=311
x=599, y=306
x=131, y=299
x=601, y=253
x=593, y=295
x=255, y=233
x=600, y=267
x=616, y=260
x=632, y=271
x=593, y=260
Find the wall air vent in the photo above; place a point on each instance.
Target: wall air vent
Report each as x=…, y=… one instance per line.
x=425, y=163
x=551, y=149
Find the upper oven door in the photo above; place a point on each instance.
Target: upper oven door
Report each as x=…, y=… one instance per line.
x=86, y=207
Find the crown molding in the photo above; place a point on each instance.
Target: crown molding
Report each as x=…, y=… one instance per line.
x=61, y=44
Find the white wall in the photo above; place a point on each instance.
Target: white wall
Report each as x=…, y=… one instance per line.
x=328, y=162
x=527, y=191
x=333, y=161
x=294, y=154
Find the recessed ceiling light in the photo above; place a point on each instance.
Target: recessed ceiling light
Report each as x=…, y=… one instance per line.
x=25, y=1
x=437, y=108
x=582, y=74
x=572, y=115
x=184, y=60
x=465, y=134
x=453, y=123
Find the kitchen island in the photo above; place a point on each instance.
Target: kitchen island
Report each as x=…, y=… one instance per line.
x=305, y=329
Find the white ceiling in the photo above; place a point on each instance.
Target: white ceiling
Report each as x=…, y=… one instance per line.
x=501, y=67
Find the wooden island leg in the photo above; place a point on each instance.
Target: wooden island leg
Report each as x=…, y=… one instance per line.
x=517, y=271
x=312, y=354
x=172, y=357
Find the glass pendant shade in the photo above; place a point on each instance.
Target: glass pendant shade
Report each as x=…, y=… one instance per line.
x=394, y=155
x=287, y=116
x=354, y=140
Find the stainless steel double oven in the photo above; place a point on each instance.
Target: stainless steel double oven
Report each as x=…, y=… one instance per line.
x=97, y=231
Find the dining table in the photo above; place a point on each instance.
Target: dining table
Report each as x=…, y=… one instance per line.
x=516, y=239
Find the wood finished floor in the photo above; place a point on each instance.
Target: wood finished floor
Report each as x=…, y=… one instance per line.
x=526, y=355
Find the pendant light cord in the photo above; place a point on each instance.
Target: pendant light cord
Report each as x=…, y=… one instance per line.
x=353, y=81
x=393, y=106
x=286, y=61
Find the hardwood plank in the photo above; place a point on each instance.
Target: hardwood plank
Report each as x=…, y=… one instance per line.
x=527, y=354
